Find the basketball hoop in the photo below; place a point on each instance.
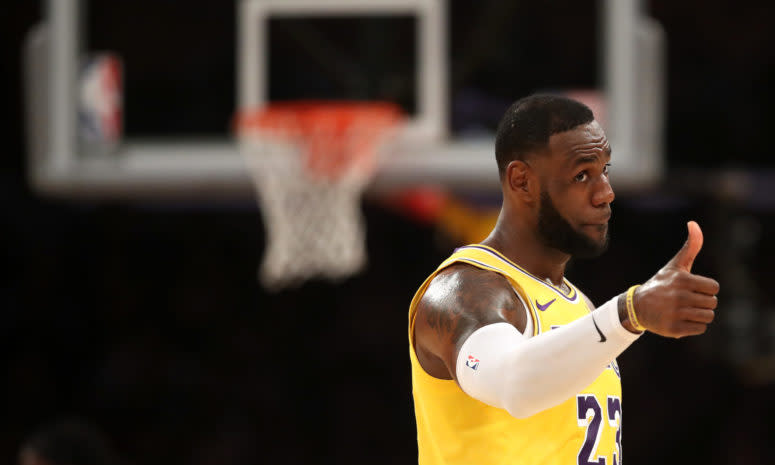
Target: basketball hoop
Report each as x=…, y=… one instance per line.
x=310, y=162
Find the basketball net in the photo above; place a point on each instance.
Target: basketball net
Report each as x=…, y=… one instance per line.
x=310, y=162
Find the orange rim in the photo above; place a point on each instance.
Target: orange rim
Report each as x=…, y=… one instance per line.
x=335, y=137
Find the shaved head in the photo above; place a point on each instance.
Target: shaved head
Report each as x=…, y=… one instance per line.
x=529, y=123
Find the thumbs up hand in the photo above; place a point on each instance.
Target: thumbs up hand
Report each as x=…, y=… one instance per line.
x=684, y=259
x=675, y=302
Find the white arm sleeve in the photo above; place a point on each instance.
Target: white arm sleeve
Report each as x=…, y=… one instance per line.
x=500, y=367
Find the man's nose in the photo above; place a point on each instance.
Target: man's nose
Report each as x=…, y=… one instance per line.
x=604, y=194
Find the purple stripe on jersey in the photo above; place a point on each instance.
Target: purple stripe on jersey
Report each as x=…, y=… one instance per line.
x=466, y=259
x=508, y=262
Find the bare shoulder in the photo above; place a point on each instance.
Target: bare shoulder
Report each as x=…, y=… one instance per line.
x=458, y=301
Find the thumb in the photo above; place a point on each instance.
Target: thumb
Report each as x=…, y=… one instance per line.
x=685, y=257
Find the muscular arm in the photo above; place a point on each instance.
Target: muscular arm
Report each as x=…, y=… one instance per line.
x=467, y=311
x=460, y=300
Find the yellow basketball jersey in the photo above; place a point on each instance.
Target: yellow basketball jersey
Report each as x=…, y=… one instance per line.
x=456, y=429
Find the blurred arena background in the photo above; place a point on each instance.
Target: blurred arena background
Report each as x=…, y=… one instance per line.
x=129, y=292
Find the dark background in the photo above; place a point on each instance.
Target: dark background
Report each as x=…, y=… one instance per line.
x=146, y=318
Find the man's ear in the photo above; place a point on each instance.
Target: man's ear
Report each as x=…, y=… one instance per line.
x=520, y=179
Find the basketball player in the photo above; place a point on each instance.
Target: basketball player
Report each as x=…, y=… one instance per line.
x=511, y=363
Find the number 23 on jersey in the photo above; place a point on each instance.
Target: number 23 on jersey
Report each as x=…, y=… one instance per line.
x=590, y=416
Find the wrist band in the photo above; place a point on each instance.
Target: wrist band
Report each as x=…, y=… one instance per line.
x=631, y=309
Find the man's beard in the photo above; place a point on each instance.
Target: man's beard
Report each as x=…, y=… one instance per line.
x=555, y=232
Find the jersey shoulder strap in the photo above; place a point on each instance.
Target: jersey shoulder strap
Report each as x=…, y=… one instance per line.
x=489, y=259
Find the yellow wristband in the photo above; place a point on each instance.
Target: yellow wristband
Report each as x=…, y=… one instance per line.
x=631, y=309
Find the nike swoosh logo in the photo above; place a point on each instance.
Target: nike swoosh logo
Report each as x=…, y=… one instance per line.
x=544, y=306
x=602, y=336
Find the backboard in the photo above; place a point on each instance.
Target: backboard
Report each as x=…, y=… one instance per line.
x=191, y=166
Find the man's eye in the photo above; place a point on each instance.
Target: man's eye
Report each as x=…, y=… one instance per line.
x=581, y=177
x=606, y=168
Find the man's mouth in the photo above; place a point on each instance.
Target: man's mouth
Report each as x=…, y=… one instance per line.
x=601, y=222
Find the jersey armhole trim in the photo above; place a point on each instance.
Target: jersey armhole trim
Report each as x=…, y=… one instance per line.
x=531, y=313
x=532, y=318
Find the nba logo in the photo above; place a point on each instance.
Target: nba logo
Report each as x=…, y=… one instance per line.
x=472, y=362
x=99, y=103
